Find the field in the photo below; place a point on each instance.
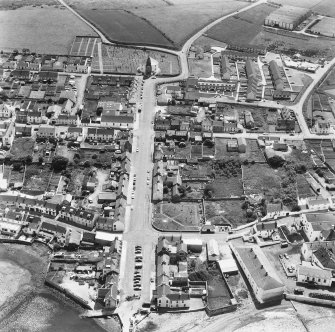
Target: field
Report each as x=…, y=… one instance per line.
x=122, y=26
x=10, y=4
x=324, y=7
x=325, y=27
x=200, y=68
x=37, y=178
x=182, y=216
x=218, y=293
x=22, y=148
x=241, y=28
x=43, y=30
x=261, y=179
x=227, y=187
x=225, y=212
x=303, y=187
x=253, y=152
x=176, y=19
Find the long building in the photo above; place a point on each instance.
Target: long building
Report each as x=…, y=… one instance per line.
x=287, y=17
x=265, y=283
x=276, y=76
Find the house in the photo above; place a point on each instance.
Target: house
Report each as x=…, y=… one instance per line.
x=322, y=127
x=213, y=252
x=66, y=120
x=7, y=133
x=313, y=275
x=46, y=131
x=242, y=145
x=73, y=133
x=264, y=281
x=34, y=117
x=79, y=217
x=6, y=111
x=317, y=203
x=166, y=298
x=309, y=248
x=22, y=131
x=206, y=125
x=100, y=134
x=10, y=229
x=106, y=198
x=105, y=224
x=117, y=121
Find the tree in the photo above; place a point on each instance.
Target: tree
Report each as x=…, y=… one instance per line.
x=40, y=160
x=208, y=191
x=276, y=161
x=87, y=164
x=296, y=208
x=17, y=166
x=301, y=168
x=209, y=143
x=94, y=156
x=29, y=159
x=59, y=163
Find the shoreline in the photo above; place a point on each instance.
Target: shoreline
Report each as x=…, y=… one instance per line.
x=35, y=260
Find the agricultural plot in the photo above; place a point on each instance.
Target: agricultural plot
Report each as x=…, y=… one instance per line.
x=10, y=4
x=182, y=216
x=21, y=28
x=22, y=148
x=225, y=212
x=243, y=27
x=323, y=7
x=261, y=179
x=122, y=26
x=84, y=46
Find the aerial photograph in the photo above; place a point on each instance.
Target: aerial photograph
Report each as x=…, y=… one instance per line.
x=167, y=165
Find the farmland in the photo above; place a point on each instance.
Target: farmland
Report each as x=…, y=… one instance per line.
x=22, y=28
x=121, y=26
x=242, y=27
x=176, y=19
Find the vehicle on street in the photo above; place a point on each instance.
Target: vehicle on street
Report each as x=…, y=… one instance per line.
x=137, y=288
x=138, y=247
x=281, y=256
x=286, y=256
x=138, y=265
x=137, y=150
x=137, y=272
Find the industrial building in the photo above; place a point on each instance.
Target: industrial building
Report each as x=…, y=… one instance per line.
x=287, y=17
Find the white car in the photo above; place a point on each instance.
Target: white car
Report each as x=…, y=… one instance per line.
x=137, y=150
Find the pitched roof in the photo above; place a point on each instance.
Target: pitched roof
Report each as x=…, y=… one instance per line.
x=326, y=257
x=314, y=272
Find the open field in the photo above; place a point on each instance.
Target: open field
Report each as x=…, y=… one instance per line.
x=225, y=212
x=261, y=179
x=218, y=293
x=181, y=216
x=121, y=26
x=241, y=28
x=227, y=187
x=10, y=4
x=182, y=19
x=324, y=7
x=36, y=178
x=22, y=148
x=200, y=67
x=43, y=30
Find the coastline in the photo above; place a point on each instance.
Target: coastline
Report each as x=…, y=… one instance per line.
x=35, y=294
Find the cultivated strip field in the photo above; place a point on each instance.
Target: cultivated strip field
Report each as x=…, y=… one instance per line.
x=21, y=28
x=121, y=26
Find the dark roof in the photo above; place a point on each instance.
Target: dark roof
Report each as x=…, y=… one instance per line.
x=326, y=257
x=53, y=228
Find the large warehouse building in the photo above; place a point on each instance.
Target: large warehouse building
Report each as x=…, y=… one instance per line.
x=287, y=17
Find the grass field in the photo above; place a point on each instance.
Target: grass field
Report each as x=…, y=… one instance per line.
x=241, y=28
x=227, y=187
x=44, y=30
x=119, y=25
x=223, y=212
x=182, y=216
x=36, y=178
x=261, y=179
x=22, y=148
x=200, y=68
x=10, y=4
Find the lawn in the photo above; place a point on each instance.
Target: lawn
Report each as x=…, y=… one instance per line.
x=225, y=212
x=178, y=217
x=22, y=148
x=303, y=187
x=226, y=187
x=261, y=179
x=200, y=68
x=196, y=151
x=218, y=293
x=122, y=26
x=37, y=178
x=43, y=30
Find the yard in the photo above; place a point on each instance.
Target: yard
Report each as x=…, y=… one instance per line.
x=200, y=67
x=37, y=178
x=223, y=187
x=261, y=179
x=181, y=216
x=225, y=212
x=218, y=293
x=22, y=148
x=22, y=28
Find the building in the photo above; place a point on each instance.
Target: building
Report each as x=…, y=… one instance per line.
x=66, y=120
x=117, y=121
x=265, y=283
x=322, y=127
x=213, y=252
x=276, y=76
x=100, y=134
x=248, y=120
x=287, y=17
x=46, y=132
x=79, y=217
x=313, y=275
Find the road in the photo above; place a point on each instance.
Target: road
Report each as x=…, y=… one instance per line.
x=138, y=229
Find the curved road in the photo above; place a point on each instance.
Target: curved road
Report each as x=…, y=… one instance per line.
x=138, y=229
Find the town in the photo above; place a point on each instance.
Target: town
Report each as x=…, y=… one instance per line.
x=165, y=182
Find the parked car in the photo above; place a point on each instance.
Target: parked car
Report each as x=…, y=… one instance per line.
x=137, y=288
x=298, y=291
x=281, y=256
x=286, y=256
